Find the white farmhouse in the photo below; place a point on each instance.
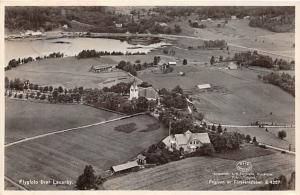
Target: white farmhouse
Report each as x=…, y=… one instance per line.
x=188, y=141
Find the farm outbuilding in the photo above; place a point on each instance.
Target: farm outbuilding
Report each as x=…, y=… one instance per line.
x=204, y=86
x=172, y=63
x=232, y=66
x=129, y=166
x=181, y=73
x=141, y=159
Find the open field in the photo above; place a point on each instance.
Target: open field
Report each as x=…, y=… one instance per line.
x=270, y=137
x=64, y=156
x=237, y=97
x=10, y=186
x=67, y=72
x=240, y=33
x=195, y=173
x=245, y=151
x=26, y=119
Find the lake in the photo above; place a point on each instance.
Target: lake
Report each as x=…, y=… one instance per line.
x=15, y=49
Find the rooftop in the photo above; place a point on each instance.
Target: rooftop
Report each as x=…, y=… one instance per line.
x=125, y=166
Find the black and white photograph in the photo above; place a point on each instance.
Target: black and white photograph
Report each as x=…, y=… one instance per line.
x=151, y=98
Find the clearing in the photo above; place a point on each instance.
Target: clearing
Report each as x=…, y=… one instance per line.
x=26, y=119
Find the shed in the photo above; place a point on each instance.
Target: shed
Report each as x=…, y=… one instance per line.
x=181, y=73
x=172, y=63
x=232, y=66
x=125, y=167
x=204, y=86
x=119, y=25
x=233, y=18
x=141, y=159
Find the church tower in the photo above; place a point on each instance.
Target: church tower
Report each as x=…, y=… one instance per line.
x=134, y=90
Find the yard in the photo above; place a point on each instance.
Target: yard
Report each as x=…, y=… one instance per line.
x=64, y=156
x=26, y=119
x=195, y=173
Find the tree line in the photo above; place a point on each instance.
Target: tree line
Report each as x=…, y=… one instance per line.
x=256, y=59
x=284, y=81
x=93, y=53
x=113, y=98
x=282, y=23
x=218, y=12
x=16, y=62
x=215, y=44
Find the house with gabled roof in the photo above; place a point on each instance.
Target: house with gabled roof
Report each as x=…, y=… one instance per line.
x=188, y=141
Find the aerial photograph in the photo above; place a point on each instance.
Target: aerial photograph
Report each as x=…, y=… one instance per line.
x=177, y=98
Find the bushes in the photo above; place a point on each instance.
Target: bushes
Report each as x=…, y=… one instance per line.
x=174, y=98
x=215, y=44
x=225, y=141
x=248, y=138
x=128, y=67
x=87, y=180
x=204, y=150
x=158, y=154
x=253, y=59
x=281, y=134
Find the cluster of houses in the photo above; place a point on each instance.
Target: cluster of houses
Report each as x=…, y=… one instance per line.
x=26, y=34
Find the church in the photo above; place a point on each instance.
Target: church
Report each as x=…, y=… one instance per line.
x=148, y=92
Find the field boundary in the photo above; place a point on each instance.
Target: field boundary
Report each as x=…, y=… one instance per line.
x=71, y=129
x=105, y=109
x=14, y=183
